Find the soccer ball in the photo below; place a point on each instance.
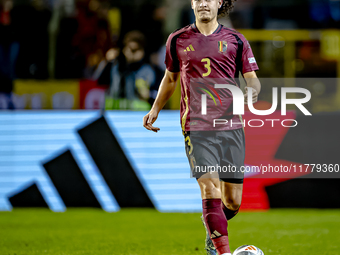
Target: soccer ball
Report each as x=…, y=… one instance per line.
x=248, y=250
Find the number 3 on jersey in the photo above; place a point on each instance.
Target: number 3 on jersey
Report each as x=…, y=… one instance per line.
x=207, y=66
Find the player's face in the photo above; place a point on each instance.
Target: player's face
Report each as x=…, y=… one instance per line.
x=205, y=10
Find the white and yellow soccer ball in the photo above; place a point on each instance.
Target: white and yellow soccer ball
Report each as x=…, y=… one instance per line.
x=248, y=250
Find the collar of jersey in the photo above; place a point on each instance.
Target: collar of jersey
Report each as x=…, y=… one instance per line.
x=218, y=29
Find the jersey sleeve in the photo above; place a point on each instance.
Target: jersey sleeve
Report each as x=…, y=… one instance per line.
x=171, y=59
x=248, y=60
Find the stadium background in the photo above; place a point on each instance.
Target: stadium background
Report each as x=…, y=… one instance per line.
x=59, y=149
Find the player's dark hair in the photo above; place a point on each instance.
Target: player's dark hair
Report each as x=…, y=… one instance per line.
x=227, y=6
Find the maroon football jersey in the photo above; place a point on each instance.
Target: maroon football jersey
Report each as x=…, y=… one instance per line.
x=204, y=61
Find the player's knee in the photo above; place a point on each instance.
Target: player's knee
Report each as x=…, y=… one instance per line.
x=211, y=192
x=209, y=188
x=233, y=203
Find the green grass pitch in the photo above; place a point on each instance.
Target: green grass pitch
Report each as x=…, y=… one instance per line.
x=149, y=232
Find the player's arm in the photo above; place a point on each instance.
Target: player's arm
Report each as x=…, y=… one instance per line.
x=253, y=82
x=166, y=89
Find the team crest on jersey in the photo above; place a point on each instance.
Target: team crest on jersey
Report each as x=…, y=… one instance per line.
x=222, y=46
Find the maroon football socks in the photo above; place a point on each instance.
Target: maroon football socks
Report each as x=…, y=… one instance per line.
x=217, y=224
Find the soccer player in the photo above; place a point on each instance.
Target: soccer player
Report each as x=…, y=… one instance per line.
x=205, y=54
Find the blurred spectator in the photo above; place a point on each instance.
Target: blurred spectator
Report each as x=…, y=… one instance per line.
x=157, y=60
x=150, y=21
x=242, y=14
x=325, y=13
x=293, y=14
x=129, y=76
x=9, y=48
x=334, y=5
x=97, y=69
x=114, y=18
x=187, y=15
x=31, y=20
x=97, y=52
x=83, y=40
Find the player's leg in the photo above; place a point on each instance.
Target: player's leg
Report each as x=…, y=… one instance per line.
x=202, y=153
x=231, y=195
x=233, y=151
x=213, y=215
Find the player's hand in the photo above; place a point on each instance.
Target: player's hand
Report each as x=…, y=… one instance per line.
x=254, y=95
x=149, y=119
